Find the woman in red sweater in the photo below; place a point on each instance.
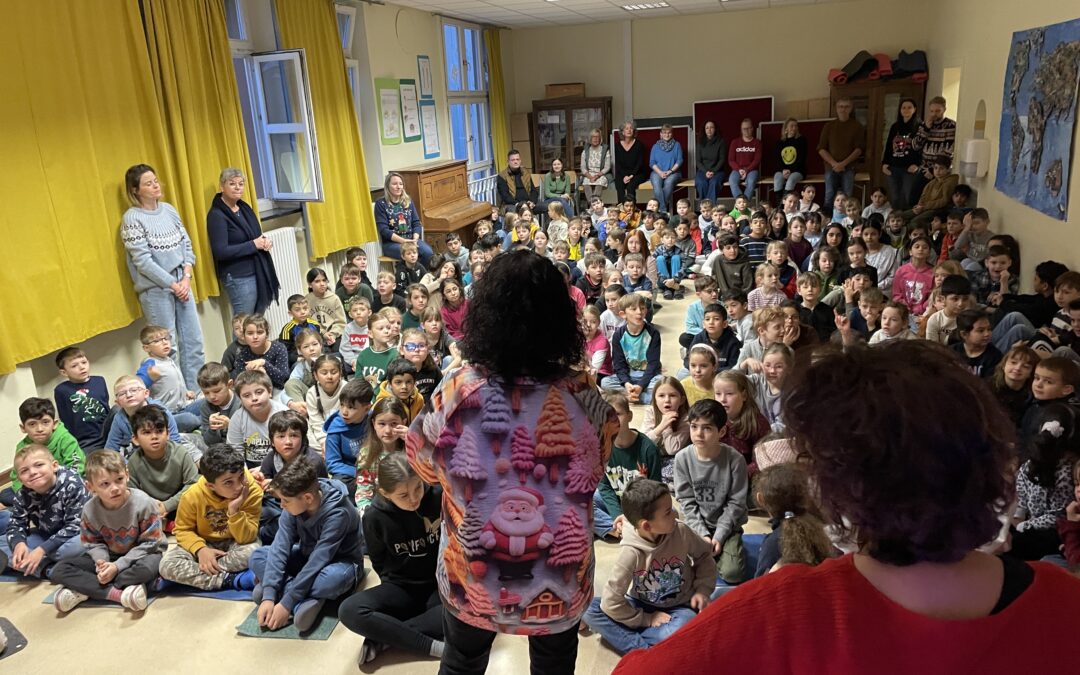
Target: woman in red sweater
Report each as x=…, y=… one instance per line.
x=920, y=482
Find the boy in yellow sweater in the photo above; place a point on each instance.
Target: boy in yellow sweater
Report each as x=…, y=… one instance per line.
x=217, y=526
x=401, y=383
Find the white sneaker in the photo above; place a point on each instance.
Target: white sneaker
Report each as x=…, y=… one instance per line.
x=66, y=599
x=134, y=598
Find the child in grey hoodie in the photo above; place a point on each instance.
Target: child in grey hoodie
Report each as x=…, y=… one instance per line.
x=664, y=564
x=711, y=485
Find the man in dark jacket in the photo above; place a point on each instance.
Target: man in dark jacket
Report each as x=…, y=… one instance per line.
x=515, y=184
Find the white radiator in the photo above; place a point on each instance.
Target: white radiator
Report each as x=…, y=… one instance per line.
x=292, y=276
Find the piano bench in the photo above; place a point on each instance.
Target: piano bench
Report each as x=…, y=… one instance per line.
x=386, y=264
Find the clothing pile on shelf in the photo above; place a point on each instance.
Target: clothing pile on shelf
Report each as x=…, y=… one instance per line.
x=867, y=66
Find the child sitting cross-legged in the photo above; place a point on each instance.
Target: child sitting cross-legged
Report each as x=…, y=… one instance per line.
x=974, y=348
x=768, y=292
x=159, y=467
x=288, y=434
x=719, y=336
x=43, y=526
x=665, y=422
x=316, y=555
x=401, y=532
x=635, y=352
x=798, y=533
x=711, y=485
x=300, y=312
x=769, y=329
x=355, y=338
x=415, y=350
x=326, y=307
x=132, y=394
x=345, y=432
x=633, y=455
x=702, y=364
x=669, y=264
x=746, y=425
x=248, y=432
x=777, y=362
x=419, y=296
x=217, y=526
x=663, y=575
x=122, y=535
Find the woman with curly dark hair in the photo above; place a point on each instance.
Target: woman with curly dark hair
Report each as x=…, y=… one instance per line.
x=920, y=482
x=518, y=440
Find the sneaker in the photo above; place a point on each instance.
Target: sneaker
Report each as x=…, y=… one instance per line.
x=241, y=581
x=669, y=294
x=680, y=294
x=66, y=600
x=306, y=614
x=256, y=593
x=134, y=598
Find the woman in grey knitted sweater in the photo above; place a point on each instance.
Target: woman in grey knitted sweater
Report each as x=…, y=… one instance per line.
x=160, y=259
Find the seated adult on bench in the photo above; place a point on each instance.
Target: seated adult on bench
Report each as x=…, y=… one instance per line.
x=744, y=158
x=397, y=220
x=630, y=171
x=665, y=158
x=515, y=184
x=711, y=155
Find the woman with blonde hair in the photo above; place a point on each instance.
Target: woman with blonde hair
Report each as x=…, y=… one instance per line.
x=398, y=221
x=791, y=158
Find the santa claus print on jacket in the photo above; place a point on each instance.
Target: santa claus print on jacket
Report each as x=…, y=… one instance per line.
x=518, y=465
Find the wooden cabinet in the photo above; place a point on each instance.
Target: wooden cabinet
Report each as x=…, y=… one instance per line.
x=877, y=104
x=561, y=129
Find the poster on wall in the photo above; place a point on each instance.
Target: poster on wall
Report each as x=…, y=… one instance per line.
x=1038, y=115
x=410, y=112
x=389, y=97
x=423, y=64
x=430, y=124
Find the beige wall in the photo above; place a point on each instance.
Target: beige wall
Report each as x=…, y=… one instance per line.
x=981, y=52
x=784, y=52
x=394, y=36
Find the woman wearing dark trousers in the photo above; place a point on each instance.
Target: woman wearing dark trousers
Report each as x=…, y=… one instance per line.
x=241, y=250
x=518, y=441
x=630, y=169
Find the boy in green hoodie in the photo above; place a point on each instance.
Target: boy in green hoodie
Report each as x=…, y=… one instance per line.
x=633, y=455
x=37, y=419
x=662, y=578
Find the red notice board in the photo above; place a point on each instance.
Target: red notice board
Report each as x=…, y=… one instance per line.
x=769, y=133
x=729, y=113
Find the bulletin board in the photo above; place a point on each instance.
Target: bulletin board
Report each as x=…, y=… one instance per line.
x=769, y=133
x=729, y=113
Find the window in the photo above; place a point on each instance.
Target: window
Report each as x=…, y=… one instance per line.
x=346, y=22
x=287, y=131
x=352, y=71
x=234, y=21
x=467, y=96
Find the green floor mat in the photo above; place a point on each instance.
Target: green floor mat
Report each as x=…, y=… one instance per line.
x=326, y=624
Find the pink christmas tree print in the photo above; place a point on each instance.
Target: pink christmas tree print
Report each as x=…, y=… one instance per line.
x=554, y=434
x=496, y=417
x=469, y=534
x=479, y=602
x=570, y=547
x=470, y=401
x=465, y=463
x=522, y=452
x=581, y=478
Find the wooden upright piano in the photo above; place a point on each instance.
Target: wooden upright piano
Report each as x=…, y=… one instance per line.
x=441, y=193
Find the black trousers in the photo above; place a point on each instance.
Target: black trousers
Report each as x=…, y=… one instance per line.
x=468, y=648
x=79, y=573
x=1034, y=544
x=408, y=617
x=623, y=190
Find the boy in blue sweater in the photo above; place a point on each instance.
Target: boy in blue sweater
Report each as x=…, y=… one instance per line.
x=635, y=353
x=707, y=290
x=345, y=431
x=316, y=555
x=82, y=399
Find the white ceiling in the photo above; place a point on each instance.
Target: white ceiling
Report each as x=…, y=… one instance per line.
x=531, y=13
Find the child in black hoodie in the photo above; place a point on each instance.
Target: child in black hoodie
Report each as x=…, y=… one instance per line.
x=1055, y=381
x=719, y=336
x=401, y=530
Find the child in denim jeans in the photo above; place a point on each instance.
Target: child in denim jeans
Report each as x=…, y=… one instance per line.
x=663, y=576
x=669, y=258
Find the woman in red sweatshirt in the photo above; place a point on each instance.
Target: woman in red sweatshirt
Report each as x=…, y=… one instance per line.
x=920, y=486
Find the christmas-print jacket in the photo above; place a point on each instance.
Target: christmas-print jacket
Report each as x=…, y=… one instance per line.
x=518, y=464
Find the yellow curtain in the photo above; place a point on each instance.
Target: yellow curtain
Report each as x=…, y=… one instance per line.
x=78, y=108
x=192, y=67
x=500, y=120
x=345, y=217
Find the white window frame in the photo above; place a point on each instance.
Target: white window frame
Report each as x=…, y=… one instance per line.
x=468, y=96
x=347, y=41
x=303, y=126
x=242, y=20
